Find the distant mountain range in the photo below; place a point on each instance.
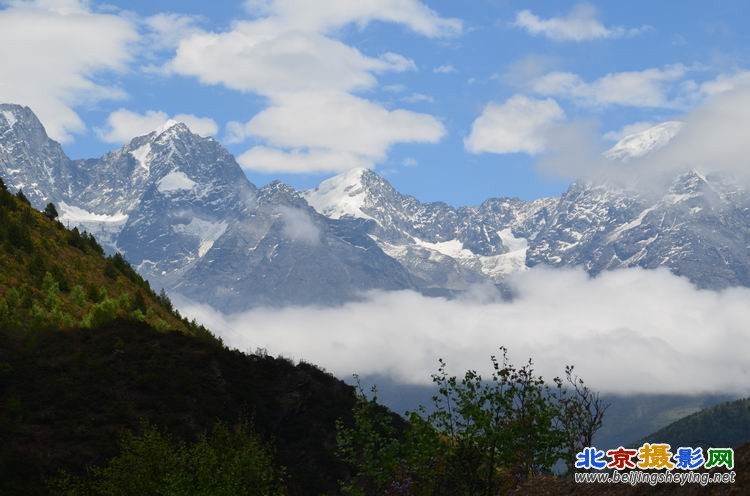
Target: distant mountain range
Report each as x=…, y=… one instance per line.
x=181, y=210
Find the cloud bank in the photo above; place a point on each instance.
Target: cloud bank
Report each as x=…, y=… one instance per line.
x=633, y=330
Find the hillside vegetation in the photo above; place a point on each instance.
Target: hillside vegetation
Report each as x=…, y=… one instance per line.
x=55, y=278
x=100, y=378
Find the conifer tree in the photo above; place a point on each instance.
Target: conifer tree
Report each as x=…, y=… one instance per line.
x=51, y=212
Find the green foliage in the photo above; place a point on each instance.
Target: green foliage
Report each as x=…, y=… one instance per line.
x=481, y=436
x=42, y=261
x=223, y=463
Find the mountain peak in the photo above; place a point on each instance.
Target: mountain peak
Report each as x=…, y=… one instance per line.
x=638, y=144
x=12, y=114
x=167, y=125
x=342, y=195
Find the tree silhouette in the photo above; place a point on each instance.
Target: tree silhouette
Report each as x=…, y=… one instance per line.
x=51, y=212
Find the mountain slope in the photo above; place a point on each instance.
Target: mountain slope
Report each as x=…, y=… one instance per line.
x=79, y=367
x=51, y=277
x=727, y=424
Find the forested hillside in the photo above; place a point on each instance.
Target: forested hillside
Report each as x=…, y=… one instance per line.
x=89, y=353
x=55, y=278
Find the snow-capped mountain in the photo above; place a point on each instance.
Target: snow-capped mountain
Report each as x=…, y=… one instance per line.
x=184, y=214
x=644, y=142
x=698, y=228
x=442, y=246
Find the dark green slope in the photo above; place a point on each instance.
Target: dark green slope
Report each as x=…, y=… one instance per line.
x=88, y=351
x=67, y=401
x=724, y=425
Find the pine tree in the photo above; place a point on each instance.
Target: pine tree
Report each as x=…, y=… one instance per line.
x=51, y=212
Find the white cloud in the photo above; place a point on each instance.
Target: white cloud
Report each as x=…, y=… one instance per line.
x=724, y=83
x=303, y=127
x=262, y=58
x=409, y=162
x=444, y=69
x=517, y=126
x=288, y=54
x=299, y=226
x=394, y=88
x=51, y=52
x=712, y=139
x=581, y=24
x=418, y=98
x=647, y=88
x=327, y=15
x=626, y=331
x=273, y=160
x=165, y=30
x=124, y=125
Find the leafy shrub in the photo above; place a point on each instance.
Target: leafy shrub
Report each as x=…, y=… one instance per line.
x=222, y=463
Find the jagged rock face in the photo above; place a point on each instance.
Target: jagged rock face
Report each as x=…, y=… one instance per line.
x=441, y=246
x=283, y=252
x=30, y=161
x=699, y=229
x=186, y=191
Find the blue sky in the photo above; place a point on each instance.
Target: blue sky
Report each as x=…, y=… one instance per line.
x=437, y=95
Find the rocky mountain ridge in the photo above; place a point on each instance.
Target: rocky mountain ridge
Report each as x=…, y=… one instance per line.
x=183, y=212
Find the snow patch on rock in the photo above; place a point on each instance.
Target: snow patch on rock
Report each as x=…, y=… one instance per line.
x=343, y=195
x=206, y=231
x=639, y=144
x=175, y=181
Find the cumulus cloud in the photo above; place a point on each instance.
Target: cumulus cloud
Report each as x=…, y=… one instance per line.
x=633, y=330
x=52, y=52
x=123, y=125
x=581, y=24
x=648, y=88
x=303, y=129
x=519, y=125
x=288, y=54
